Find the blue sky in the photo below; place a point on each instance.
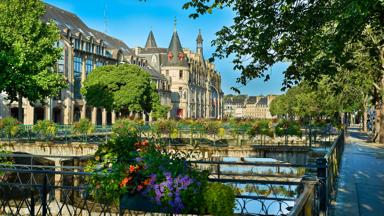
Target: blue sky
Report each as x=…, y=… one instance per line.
x=131, y=21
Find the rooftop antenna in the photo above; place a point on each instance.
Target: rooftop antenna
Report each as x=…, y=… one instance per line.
x=106, y=17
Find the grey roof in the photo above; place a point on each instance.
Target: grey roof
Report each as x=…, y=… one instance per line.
x=112, y=42
x=263, y=101
x=235, y=99
x=66, y=20
x=153, y=50
x=251, y=100
x=151, y=42
x=176, y=56
x=154, y=73
x=199, y=37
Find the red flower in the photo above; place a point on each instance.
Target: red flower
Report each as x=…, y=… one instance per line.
x=125, y=181
x=131, y=168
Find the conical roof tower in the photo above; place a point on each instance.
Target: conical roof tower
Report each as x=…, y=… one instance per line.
x=151, y=42
x=175, y=53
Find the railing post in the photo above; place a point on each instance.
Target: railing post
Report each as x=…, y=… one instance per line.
x=32, y=212
x=321, y=164
x=218, y=170
x=43, y=195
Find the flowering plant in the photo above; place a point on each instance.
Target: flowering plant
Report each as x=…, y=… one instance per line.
x=129, y=166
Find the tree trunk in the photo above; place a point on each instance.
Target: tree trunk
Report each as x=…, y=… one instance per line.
x=377, y=122
x=20, y=114
x=381, y=125
x=365, y=120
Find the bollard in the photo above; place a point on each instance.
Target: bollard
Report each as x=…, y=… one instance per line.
x=321, y=164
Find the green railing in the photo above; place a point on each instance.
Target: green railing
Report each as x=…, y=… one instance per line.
x=183, y=134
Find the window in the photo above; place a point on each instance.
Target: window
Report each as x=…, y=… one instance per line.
x=88, y=47
x=167, y=72
x=77, y=43
x=77, y=76
x=181, y=74
x=88, y=66
x=84, y=46
x=99, y=64
x=98, y=50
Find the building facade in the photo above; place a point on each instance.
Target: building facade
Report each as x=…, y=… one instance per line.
x=195, y=85
x=251, y=107
x=85, y=49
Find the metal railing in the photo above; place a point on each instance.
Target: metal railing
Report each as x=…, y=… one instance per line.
x=64, y=134
x=320, y=191
x=33, y=189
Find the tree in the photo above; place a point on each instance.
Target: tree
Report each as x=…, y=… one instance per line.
x=124, y=88
x=27, y=52
x=316, y=37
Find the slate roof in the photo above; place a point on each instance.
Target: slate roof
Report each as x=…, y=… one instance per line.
x=262, y=102
x=251, y=100
x=238, y=99
x=153, y=50
x=151, y=42
x=199, y=38
x=66, y=20
x=154, y=73
x=112, y=42
x=175, y=50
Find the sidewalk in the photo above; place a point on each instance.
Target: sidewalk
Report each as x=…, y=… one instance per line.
x=361, y=181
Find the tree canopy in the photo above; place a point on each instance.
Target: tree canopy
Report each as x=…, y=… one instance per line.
x=122, y=88
x=27, y=52
x=313, y=36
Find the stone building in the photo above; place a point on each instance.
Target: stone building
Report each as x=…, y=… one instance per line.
x=251, y=107
x=83, y=49
x=195, y=85
x=234, y=106
x=186, y=83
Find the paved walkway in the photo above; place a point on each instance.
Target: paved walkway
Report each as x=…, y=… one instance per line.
x=361, y=181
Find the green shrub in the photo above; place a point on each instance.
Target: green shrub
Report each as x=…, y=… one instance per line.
x=126, y=127
x=45, y=128
x=10, y=126
x=219, y=199
x=83, y=127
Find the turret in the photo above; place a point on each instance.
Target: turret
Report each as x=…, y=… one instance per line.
x=175, y=53
x=199, y=42
x=151, y=42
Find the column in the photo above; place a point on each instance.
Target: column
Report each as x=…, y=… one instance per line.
x=48, y=110
x=58, y=180
x=29, y=113
x=218, y=106
x=94, y=115
x=104, y=117
x=84, y=111
x=83, y=69
x=113, y=117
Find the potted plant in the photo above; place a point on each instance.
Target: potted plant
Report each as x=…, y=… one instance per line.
x=141, y=175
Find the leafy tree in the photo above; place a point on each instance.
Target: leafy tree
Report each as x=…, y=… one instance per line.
x=27, y=52
x=317, y=38
x=124, y=88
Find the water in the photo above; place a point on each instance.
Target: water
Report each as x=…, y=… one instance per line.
x=268, y=199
